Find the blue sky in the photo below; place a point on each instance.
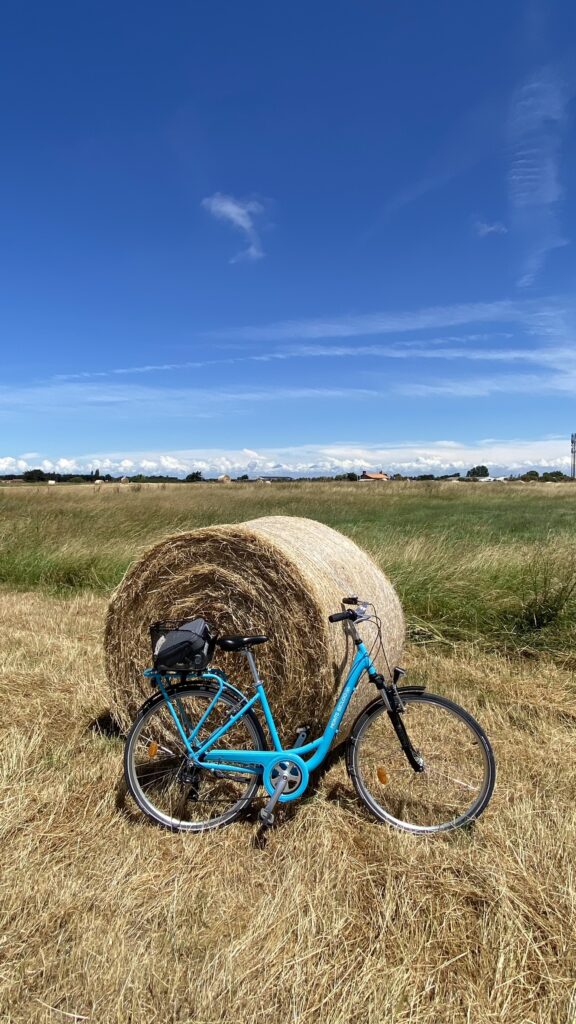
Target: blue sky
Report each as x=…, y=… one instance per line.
x=307, y=237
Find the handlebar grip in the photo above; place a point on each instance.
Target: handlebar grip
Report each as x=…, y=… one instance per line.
x=340, y=616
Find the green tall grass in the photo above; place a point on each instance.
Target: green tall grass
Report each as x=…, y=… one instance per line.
x=491, y=564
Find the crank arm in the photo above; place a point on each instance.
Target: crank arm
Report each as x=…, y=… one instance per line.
x=266, y=814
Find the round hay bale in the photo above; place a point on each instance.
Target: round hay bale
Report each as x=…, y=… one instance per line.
x=278, y=575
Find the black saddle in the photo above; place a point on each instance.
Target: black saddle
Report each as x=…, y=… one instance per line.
x=239, y=643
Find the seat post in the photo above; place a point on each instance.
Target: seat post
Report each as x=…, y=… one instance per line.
x=253, y=669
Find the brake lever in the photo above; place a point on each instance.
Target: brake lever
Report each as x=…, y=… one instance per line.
x=364, y=614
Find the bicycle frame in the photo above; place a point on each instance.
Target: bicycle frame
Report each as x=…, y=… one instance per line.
x=309, y=755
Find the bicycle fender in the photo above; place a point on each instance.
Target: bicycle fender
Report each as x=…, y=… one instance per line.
x=148, y=702
x=201, y=683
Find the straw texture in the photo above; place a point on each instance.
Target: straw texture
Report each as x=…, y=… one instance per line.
x=278, y=575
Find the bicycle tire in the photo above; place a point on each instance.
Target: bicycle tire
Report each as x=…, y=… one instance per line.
x=436, y=799
x=168, y=799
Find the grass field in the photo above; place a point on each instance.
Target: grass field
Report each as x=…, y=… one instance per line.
x=491, y=564
x=337, y=919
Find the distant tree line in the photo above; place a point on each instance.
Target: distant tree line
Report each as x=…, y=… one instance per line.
x=39, y=476
x=549, y=476
x=36, y=476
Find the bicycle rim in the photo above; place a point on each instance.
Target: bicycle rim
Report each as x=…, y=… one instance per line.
x=163, y=784
x=459, y=771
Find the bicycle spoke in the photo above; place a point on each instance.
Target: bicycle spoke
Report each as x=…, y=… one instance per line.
x=451, y=778
x=165, y=750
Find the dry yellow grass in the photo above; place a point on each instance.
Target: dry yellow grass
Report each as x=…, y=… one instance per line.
x=337, y=919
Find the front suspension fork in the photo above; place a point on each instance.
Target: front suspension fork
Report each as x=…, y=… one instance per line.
x=415, y=759
x=395, y=709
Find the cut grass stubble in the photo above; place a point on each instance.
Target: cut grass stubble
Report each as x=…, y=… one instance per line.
x=337, y=918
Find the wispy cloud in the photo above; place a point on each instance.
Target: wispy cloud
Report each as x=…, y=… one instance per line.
x=433, y=318
x=537, y=118
x=540, y=331
x=125, y=371
x=484, y=228
x=554, y=357
x=469, y=140
x=407, y=350
x=443, y=456
x=561, y=383
x=558, y=363
x=242, y=214
x=478, y=387
x=61, y=398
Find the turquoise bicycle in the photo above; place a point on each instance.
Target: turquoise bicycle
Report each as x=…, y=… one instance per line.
x=197, y=754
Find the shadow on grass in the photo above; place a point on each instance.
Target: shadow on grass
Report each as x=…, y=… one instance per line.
x=105, y=725
x=339, y=793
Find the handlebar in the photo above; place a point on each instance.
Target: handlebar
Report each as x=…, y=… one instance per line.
x=340, y=616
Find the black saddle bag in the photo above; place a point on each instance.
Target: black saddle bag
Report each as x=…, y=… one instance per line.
x=181, y=647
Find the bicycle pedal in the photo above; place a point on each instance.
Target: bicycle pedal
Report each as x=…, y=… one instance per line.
x=266, y=817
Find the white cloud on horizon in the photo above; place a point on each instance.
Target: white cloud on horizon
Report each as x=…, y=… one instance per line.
x=241, y=214
x=501, y=456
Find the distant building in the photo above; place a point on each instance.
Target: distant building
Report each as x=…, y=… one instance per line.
x=374, y=476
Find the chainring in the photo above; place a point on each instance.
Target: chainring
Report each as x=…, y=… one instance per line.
x=298, y=776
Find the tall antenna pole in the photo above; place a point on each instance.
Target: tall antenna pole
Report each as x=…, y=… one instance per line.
x=573, y=452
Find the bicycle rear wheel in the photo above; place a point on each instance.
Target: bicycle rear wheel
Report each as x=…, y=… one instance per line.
x=459, y=768
x=171, y=791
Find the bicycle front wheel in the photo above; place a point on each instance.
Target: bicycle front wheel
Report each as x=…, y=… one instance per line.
x=171, y=791
x=459, y=768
